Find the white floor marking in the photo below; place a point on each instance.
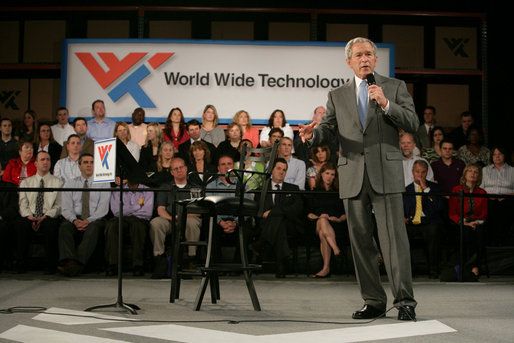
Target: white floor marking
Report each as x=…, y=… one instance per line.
x=29, y=334
x=72, y=317
x=344, y=335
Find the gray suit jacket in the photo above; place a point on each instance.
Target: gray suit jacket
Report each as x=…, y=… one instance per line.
x=374, y=147
x=422, y=139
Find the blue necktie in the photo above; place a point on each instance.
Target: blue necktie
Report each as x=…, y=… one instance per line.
x=363, y=102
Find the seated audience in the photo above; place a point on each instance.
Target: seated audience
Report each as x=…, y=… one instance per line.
x=62, y=129
x=138, y=127
x=211, y=132
x=458, y=134
x=474, y=151
x=99, y=127
x=200, y=157
x=45, y=141
x=248, y=132
x=8, y=145
x=194, y=130
x=29, y=127
x=423, y=214
x=295, y=167
x=149, y=152
x=433, y=153
x=253, y=181
x=281, y=223
x=319, y=156
x=162, y=175
x=447, y=169
x=83, y=222
x=160, y=226
x=407, y=146
x=39, y=213
x=80, y=126
x=475, y=214
x=68, y=168
x=175, y=128
x=121, y=130
x=22, y=167
x=327, y=212
x=424, y=134
x=276, y=120
x=137, y=212
x=498, y=178
x=230, y=145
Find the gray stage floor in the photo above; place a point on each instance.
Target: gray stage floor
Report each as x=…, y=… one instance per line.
x=295, y=309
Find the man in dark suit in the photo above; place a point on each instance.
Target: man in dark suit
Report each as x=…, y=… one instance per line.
x=366, y=120
x=423, y=214
x=281, y=220
x=423, y=139
x=194, y=129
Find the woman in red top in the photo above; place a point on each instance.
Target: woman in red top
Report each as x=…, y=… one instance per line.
x=175, y=128
x=21, y=167
x=251, y=133
x=474, y=214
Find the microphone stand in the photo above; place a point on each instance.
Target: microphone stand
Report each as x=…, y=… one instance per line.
x=119, y=302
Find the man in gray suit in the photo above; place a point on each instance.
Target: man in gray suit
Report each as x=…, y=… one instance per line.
x=370, y=175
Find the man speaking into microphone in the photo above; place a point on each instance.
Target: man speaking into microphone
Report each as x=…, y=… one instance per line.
x=366, y=114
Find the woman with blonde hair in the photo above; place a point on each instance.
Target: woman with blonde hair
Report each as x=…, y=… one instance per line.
x=163, y=165
x=251, y=133
x=149, y=151
x=122, y=131
x=211, y=132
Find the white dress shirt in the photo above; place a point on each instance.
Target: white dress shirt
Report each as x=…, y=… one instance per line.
x=51, y=202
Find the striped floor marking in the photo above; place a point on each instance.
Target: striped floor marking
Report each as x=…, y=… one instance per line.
x=29, y=334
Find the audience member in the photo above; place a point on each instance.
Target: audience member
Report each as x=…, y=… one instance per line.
x=138, y=127
x=121, y=130
x=458, y=134
x=44, y=141
x=295, y=167
x=137, y=212
x=28, y=128
x=88, y=146
x=62, y=129
x=160, y=226
x=175, y=128
x=253, y=181
x=276, y=120
x=68, y=168
x=327, y=212
x=39, y=213
x=498, y=178
x=84, y=221
x=22, y=167
x=230, y=145
x=319, y=112
x=475, y=214
x=474, y=151
x=407, y=146
x=319, y=156
x=281, y=223
x=8, y=145
x=248, y=131
x=200, y=157
x=447, y=169
x=211, y=132
x=423, y=214
x=99, y=127
x=424, y=133
x=149, y=151
x=434, y=152
x=165, y=155
x=194, y=130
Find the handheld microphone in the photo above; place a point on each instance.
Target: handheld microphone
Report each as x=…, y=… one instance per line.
x=370, y=78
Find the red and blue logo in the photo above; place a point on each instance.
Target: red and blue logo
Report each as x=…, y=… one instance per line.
x=118, y=68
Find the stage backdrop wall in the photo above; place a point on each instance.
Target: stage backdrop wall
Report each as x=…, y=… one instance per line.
x=158, y=75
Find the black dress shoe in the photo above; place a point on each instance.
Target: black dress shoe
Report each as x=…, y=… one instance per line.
x=406, y=312
x=369, y=312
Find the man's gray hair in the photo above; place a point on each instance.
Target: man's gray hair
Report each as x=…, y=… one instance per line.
x=349, y=45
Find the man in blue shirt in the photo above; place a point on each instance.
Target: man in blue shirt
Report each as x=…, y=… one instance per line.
x=100, y=127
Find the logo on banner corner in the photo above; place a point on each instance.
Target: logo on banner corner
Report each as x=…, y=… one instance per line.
x=104, y=154
x=116, y=69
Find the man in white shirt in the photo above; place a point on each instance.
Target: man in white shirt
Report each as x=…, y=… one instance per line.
x=295, y=168
x=39, y=213
x=407, y=146
x=138, y=127
x=83, y=221
x=68, y=168
x=62, y=130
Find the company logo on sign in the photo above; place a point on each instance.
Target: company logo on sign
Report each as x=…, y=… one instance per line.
x=104, y=154
x=116, y=70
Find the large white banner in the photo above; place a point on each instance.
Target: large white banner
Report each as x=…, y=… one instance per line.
x=158, y=75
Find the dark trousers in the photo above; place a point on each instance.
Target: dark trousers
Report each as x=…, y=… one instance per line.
x=48, y=231
x=499, y=222
x=69, y=236
x=279, y=233
x=430, y=234
x=137, y=229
